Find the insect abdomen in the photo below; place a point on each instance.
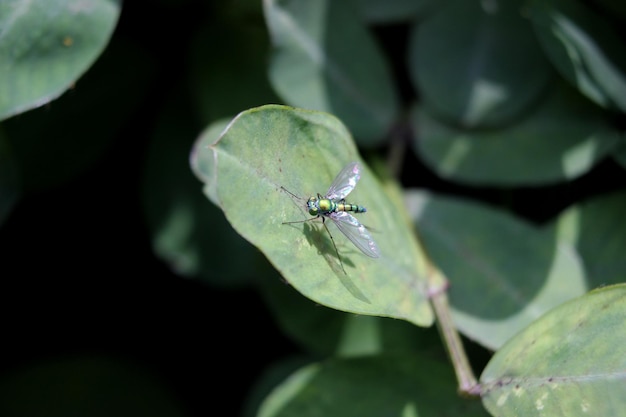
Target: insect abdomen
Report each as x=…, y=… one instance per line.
x=350, y=207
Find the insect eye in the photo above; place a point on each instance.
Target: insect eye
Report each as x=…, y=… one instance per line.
x=313, y=211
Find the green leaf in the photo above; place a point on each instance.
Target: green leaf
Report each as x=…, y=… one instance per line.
x=386, y=385
x=270, y=147
x=202, y=162
x=477, y=63
x=272, y=375
x=325, y=59
x=596, y=228
x=315, y=328
x=222, y=82
x=325, y=332
x=562, y=139
x=571, y=362
x=503, y=273
x=584, y=48
x=46, y=45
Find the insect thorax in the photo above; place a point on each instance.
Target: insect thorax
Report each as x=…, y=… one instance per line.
x=317, y=206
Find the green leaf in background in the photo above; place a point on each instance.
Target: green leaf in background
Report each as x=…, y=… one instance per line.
x=271, y=376
x=316, y=328
x=477, y=63
x=327, y=332
x=571, y=362
x=86, y=385
x=58, y=142
x=385, y=385
x=9, y=178
x=229, y=76
x=202, y=165
x=562, y=139
x=586, y=50
x=316, y=64
x=597, y=229
x=46, y=45
x=503, y=272
x=270, y=147
x=188, y=233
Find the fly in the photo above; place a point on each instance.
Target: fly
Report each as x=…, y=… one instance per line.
x=333, y=206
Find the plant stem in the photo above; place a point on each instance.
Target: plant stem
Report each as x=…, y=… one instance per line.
x=468, y=386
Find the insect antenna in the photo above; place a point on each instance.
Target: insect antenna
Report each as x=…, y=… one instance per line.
x=297, y=198
x=290, y=193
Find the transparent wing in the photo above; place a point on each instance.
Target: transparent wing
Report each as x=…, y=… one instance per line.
x=345, y=182
x=356, y=232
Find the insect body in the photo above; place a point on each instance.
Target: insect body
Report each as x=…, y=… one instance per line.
x=324, y=206
x=333, y=206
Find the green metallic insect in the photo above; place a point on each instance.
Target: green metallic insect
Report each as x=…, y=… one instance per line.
x=333, y=206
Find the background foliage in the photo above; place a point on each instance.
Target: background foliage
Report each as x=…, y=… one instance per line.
x=502, y=121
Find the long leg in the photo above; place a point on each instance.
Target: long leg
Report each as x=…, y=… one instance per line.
x=334, y=246
x=301, y=221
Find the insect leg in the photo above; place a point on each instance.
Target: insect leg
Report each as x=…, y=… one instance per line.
x=301, y=221
x=329, y=234
x=334, y=246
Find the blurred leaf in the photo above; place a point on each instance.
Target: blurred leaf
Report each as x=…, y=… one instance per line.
x=55, y=143
x=229, y=76
x=571, y=362
x=391, y=11
x=562, y=139
x=503, y=272
x=368, y=335
x=202, y=165
x=85, y=386
x=325, y=59
x=273, y=375
x=323, y=331
x=477, y=63
x=386, y=385
x=46, y=45
x=315, y=328
x=596, y=228
x=270, y=147
x=9, y=178
x=584, y=48
x=188, y=233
